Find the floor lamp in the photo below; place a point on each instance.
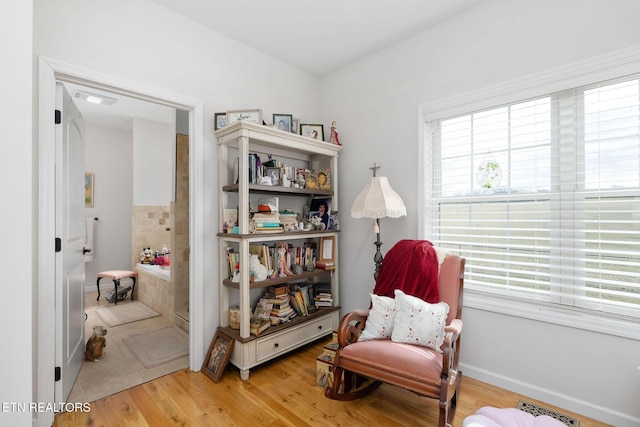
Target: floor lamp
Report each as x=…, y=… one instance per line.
x=378, y=200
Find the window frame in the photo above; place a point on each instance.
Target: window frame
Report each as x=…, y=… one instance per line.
x=605, y=67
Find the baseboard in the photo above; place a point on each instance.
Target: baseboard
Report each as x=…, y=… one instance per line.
x=587, y=409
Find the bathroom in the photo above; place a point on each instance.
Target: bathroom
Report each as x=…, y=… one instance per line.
x=140, y=199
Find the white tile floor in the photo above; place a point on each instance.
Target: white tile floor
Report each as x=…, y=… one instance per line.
x=119, y=369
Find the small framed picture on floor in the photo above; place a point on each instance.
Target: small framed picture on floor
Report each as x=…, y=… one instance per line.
x=217, y=356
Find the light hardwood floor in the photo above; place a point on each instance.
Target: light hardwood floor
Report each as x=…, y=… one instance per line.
x=280, y=393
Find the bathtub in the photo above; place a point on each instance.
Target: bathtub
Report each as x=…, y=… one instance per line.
x=161, y=271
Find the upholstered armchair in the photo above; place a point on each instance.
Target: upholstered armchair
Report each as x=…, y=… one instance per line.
x=411, y=340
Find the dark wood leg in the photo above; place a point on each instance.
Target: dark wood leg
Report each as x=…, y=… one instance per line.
x=98, y=285
x=116, y=283
x=134, y=286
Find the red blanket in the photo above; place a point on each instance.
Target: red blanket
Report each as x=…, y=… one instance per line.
x=412, y=267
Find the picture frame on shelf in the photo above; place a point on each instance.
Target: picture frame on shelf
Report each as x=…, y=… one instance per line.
x=295, y=126
x=253, y=116
x=324, y=179
x=283, y=121
x=219, y=120
x=312, y=131
x=218, y=356
x=274, y=175
x=327, y=250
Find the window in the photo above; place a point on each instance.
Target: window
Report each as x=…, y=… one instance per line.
x=542, y=197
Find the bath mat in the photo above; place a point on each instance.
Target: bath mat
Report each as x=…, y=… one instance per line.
x=160, y=346
x=536, y=410
x=125, y=313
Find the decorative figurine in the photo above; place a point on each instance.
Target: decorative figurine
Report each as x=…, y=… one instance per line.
x=333, y=137
x=283, y=268
x=300, y=178
x=146, y=257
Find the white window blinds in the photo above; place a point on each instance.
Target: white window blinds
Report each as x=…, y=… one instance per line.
x=543, y=197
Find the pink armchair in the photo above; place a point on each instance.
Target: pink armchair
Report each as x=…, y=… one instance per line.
x=432, y=372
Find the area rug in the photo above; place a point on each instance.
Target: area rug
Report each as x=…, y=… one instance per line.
x=125, y=313
x=536, y=410
x=160, y=346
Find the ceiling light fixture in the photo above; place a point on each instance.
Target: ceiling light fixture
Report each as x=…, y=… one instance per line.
x=94, y=98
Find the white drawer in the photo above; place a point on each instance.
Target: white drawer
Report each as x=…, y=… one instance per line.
x=273, y=345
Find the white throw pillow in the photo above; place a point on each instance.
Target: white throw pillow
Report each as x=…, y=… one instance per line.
x=380, y=320
x=418, y=322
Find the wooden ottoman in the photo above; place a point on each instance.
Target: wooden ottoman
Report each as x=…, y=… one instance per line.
x=116, y=276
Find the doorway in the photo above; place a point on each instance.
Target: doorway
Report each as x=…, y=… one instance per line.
x=127, y=141
x=50, y=72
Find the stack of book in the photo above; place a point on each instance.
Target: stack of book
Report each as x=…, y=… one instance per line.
x=302, y=299
x=267, y=222
x=322, y=295
x=289, y=220
x=277, y=297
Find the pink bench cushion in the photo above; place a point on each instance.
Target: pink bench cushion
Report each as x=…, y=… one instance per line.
x=117, y=274
x=508, y=417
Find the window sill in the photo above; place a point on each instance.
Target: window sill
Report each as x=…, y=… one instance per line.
x=554, y=315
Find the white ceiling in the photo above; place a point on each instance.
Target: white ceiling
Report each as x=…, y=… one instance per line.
x=318, y=37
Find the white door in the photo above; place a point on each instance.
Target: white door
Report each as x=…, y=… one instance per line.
x=70, y=230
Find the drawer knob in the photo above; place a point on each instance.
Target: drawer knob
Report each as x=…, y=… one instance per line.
x=276, y=345
x=319, y=326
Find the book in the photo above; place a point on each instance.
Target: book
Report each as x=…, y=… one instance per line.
x=329, y=265
x=294, y=304
x=257, y=326
x=300, y=302
x=279, y=290
x=271, y=230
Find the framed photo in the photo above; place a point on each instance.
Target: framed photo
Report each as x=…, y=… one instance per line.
x=88, y=190
x=274, y=175
x=324, y=179
x=283, y=121
x=322, y=209
x=312, y=131
x=253, y=116
x=219, y=120
x=327, y=249
x=218, y=356
x=295, y=126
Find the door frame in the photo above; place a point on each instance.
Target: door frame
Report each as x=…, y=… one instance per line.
x=50, y=72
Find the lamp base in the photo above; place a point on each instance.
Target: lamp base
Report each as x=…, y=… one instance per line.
x=377, y=258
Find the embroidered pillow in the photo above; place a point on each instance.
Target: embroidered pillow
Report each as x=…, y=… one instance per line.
x=380, y=321
x=418, y=322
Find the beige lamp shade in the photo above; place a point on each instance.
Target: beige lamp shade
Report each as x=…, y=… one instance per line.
x=378, y=200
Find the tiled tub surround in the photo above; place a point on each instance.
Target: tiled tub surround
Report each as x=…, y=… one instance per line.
x=155, y=290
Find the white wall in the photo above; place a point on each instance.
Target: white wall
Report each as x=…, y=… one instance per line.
x=141, y=42
x=153, y=162
x=375, y=104
x=17, y=228
x=109, y=155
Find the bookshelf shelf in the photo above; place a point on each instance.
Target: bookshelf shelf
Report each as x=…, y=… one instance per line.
x=235, y=144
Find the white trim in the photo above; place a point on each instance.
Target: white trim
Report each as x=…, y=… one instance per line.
x=554, y=315
x=545, y=395
x=608, y=66
x=50, y=71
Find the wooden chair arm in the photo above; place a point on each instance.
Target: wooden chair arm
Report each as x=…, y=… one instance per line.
x=350, y=327
x=450, y=348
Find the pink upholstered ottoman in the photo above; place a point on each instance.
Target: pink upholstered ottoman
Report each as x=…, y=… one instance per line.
x=116, y=276
x=508, y=417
